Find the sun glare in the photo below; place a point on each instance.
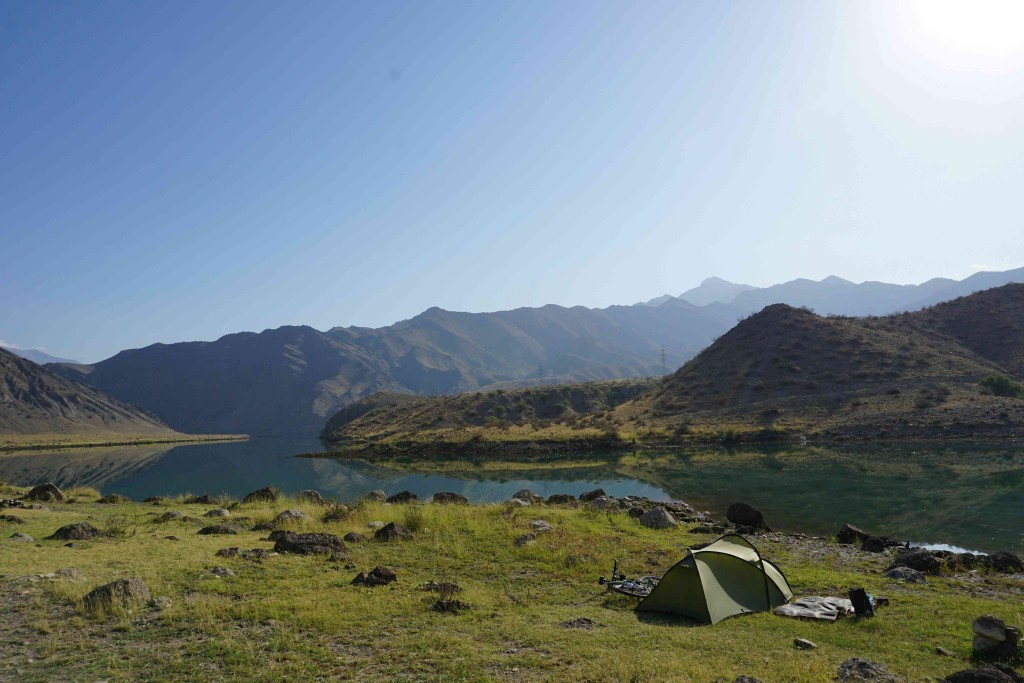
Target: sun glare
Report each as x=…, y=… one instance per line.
x=980, y=28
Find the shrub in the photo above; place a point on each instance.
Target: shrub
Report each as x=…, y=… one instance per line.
x=1001, y=385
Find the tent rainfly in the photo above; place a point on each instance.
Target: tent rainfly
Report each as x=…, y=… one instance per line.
x=720, y=580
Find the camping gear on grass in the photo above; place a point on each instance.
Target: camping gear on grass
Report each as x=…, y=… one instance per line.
x=717, y=581
x=816, y=607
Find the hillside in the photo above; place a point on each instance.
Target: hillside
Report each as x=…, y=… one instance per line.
x=782, y=371
x=35, y=401
x=290, y=380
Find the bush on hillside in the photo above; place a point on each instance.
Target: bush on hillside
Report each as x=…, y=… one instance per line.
x=1001, y=385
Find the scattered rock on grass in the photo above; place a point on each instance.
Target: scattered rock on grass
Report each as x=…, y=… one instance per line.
x=742, y=514
x=851, y=534
x=218, y=512
x=67, y=574
x=291, y=517
x=11, y=519
x=354, y=537
x=449, y=497
x=160, y=602
x=375, y=524
x=402, y=497
x=906, y=574
x=314, y=497
x=256, y=554
x=114, y=499
x=378, y=576
x=19, y=537
x=988, y=673
x=540, y=525
x=336, y=513
x=1004, y=562
x=856, y=669
x=205, y=499
x=920, y=559
x=121, y=593
x=450, y=606
x=658, y=518
x=747, y=679
x=154, y=500
x=228, y=552
x=309, y=544
x=45, y=492
x=995, y=639
x=526, y=539
x=377, y=495
x=216, y=529
x=442, y=587
x=528, y=496
x=264, y=495
x=168, y=516
x=804, y=644
x=561, y=499
x=591, y=495
x=222, y=572
x=391, y=532
x=79, y=531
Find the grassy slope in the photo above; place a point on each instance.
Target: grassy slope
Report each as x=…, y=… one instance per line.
x=297, y=617
x=38, y=442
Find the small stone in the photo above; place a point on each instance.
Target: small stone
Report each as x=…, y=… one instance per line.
x=11, y=519
x=222, y=572
x=309, y=544
x=561, y=499
x=402, y=498
x=392, y=532
x=114, y=499
x=19, y=537
x=218, y=512
x=944, y=652
x=579, y=622
x=450, y=498
x=803, y=644
x=990, y=627
x=377, y=495
x=154, y=500
x=122, y=592
x=604, y=503
x=228, y=552
x=375, y=524
x=850, y=534
x=336, y=512
x=80, y=531
x=354, y=537
x=205, y=499
x=68, y=574
x=528, y=496
x=313, y=497
x=747, y=679
x=742, y=514
x=168, y=516
x=160, y=602
x=591, y=495
x=540, y=525
x=526, y=539
x=1004, y=562
x=518, y=502
x=217, y=529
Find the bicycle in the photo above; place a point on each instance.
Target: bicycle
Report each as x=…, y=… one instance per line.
x=640, y=587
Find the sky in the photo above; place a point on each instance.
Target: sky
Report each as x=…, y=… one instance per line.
x=179, y=171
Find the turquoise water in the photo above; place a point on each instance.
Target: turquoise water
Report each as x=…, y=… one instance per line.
x=969, y=497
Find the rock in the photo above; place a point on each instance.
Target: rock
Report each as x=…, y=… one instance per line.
x=19, y=537
x=591, y=495
x=604, y=503
x=450, y=606
x=402, y=498
x=855, y=669
x=526, y=538
x=804, y=644
x=216, y=529
x=995, y=640
x=114, y=499
x=336, y=512
x=375, y=524
x=172, y=538
x=160, y=602
x=561, y=499
x=222, y=572
x=851, y=534
x=314, y=497
x=708, y=529
x=540, y=525
x=339, y=556
x=228, y=552
x=11, y=519
x=1003, y=561
x=354, y=537
x=377, y=495
x=278, y=533
x=391, y=532
x=528, y=496
x=742, y=514
x=45, y=492
x=218, y=512
x=944, y=652
x=121, y=593
x=69, y=574
x=256, y=554
x=154, y=500
x=264, y=495
x=262, y=526
x=988, y=673
x=442, y=587
x=448, y=497
x=873, y=544
x=309, y=544
x=168, y=516
x=291, y=517
x=658, y=518
x=636, y=512
x=747, y=679
x=905, y=574
x=378, y=576
x=579, y=622
x=205, y=499
x=80, y=531
x=920, y=559
x=518, y=503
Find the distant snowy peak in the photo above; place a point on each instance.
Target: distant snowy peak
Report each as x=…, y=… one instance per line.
x=714, y=290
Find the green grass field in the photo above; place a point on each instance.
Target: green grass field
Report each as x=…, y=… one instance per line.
x=297, y=617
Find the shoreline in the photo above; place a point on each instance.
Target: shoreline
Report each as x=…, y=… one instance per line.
x=62, y=445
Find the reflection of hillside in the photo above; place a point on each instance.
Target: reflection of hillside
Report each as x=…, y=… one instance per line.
x=96, y=467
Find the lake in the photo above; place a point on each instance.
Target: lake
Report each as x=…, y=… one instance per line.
x=966, y=496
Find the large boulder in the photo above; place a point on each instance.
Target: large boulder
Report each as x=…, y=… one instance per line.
x=45, y=492
x=217, y=529
x=855, y=670
x=921, y=559
x=264, y=495
x=658, y=518
x=851, y=534
x=905, y=574
x=994, y=639
x=742, y=514
x=377, y=496
x=309, y=544
x=988, y=673
x=79, y=531
x=591, y=495
x=121, y=593
x=1003, y=561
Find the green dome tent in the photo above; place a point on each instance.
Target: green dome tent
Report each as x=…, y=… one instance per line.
x=725, y=578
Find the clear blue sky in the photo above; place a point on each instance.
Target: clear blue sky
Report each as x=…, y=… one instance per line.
x=173, y=171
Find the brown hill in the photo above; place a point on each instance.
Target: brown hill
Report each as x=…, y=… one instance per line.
x=34, y=400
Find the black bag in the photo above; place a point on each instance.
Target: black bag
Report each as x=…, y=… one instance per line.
x=863, y=605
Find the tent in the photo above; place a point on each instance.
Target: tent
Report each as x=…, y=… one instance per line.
x=717, y=581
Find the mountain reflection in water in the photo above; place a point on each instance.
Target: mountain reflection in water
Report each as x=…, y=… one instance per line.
x=966, y=496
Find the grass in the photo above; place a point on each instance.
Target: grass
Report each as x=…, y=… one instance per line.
x=297, y=618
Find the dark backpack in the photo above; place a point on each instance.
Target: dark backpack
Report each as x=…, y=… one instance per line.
x=863, y=605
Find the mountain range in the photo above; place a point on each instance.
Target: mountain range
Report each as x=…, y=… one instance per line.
x=292, y=379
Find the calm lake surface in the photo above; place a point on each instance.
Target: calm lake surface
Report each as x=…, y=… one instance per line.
x=971, y=497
